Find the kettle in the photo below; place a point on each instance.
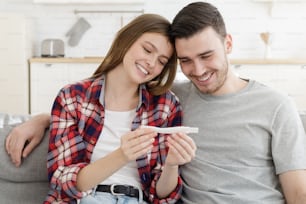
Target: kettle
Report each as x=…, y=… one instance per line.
x=52, y=48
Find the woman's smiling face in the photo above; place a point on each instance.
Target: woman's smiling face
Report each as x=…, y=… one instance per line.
x=147, y=57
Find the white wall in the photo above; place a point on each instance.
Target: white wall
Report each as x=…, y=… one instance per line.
x=245, y=20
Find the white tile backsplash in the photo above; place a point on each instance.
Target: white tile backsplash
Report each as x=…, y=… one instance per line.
x=286, y=20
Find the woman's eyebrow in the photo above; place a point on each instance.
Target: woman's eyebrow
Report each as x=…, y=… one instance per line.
x=154, y=47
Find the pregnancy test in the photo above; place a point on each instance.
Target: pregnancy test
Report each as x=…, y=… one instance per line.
x=170, y=130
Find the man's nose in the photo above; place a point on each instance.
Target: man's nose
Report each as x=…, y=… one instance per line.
x=198, y=68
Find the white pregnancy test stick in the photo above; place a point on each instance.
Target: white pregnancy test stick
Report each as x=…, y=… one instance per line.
x=170, y=130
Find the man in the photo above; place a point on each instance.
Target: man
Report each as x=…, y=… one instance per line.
x=251, y=144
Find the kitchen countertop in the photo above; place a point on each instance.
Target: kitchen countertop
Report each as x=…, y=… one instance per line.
x=66, y=59
x=99, y=59
x=268, y=61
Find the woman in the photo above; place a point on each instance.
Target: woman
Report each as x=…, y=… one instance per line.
x=98, y=152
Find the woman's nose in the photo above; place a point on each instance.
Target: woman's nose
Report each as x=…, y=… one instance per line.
x=151, y=61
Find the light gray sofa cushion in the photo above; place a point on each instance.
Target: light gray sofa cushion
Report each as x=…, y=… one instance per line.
x=23, y=193
x=27, y=184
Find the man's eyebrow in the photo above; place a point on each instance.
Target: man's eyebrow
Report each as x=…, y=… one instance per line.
x=206, y=53
x=201, y=54
x=182, y=57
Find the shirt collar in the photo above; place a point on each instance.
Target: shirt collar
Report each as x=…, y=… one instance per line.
x=144, y=94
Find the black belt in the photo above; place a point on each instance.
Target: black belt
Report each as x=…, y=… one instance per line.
x=119, y=190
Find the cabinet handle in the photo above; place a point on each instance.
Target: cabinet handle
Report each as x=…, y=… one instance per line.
x=237, y=66
x=48, y=65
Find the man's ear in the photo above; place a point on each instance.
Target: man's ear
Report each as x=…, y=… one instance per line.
x=228, y=43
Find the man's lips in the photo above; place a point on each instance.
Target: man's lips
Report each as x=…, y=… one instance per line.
x=204, y=77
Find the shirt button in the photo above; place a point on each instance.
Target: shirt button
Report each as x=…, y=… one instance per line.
x=144, y=177
x=151, y=197
x=92, y=141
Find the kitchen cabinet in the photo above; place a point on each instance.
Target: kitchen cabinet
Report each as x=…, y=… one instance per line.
x=287, y=78
x=14, y=51
x=48, y=75
x=46, y=79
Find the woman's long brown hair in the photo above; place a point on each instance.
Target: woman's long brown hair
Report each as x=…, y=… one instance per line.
x=145, y=23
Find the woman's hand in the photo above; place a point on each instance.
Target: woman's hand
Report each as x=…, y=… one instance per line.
x=137, y=143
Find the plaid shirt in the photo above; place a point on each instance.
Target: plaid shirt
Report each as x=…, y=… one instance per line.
x=76, y=123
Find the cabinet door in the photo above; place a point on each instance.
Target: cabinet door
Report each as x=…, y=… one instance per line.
x=292, y=80
x=45, y=82
x=81, y=71
x=47, y=79
x=266, y=74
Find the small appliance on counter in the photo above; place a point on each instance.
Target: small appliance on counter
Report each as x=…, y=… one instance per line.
x=52, y=48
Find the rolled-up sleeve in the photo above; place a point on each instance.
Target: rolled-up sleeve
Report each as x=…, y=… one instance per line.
x=66, y=148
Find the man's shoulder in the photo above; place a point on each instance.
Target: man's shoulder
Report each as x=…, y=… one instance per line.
x=269, y=92
x=272, y=99
x=181, y=87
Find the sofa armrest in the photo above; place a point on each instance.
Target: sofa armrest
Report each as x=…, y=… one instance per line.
x=27, y=184
x=32, y=169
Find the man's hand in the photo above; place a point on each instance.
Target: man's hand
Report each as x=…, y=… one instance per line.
x=25, y=137
x=182, y=149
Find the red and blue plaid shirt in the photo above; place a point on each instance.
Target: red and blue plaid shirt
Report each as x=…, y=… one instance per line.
x=76, y=123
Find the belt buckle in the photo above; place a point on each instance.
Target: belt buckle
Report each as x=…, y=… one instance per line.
x=112, y=190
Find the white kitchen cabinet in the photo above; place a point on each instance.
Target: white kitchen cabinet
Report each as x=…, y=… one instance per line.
x=287, y=78
x=15, y=50
x=46, y=79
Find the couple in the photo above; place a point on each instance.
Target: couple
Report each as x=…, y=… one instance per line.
x=251, y=143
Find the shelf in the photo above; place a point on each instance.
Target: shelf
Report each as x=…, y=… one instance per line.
x=268, y=61
x=233, y=61
x=66, y=60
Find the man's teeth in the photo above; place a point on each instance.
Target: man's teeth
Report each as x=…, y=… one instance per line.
x=204, y=78
x=143, y=70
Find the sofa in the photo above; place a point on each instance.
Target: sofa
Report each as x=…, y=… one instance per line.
x=28, y=184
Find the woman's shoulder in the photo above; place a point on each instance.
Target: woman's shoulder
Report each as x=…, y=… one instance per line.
x=169, y=94
x=87, y=88
x=84, y=84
